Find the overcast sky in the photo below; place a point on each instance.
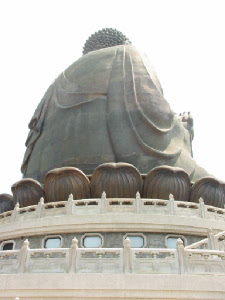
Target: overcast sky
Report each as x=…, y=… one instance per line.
x=183, y=39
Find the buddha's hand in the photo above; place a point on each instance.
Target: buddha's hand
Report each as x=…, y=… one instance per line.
x=186, y=120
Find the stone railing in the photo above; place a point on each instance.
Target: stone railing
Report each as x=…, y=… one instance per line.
x=212, y=242
x=182, y=260
x=114, y=205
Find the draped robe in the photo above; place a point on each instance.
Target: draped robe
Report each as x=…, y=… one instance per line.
x=107, y=107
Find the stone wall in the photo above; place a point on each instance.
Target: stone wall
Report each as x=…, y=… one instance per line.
x=110, y=239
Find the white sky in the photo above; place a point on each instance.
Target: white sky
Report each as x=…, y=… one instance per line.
x=183, y=39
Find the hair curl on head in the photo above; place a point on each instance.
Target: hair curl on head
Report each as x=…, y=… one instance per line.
x=107, y=37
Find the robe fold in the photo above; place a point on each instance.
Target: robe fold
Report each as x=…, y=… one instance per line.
x=107, y=107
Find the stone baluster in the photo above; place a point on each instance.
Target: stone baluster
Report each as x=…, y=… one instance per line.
x=181, y=256
x=172, y=205
x=138, y=203
x=23, y=257
x=103, y=203
x=202, y=208
x=212, y=241
x=15, y=212
x=73, y=256
x=70, y=207
x=40, y=207
x=127, y=259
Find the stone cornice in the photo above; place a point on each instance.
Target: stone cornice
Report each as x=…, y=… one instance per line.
x=110, y=223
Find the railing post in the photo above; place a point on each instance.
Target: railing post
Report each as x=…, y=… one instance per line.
x=202, y=208
x=172, y=205
x=138, y=203
x=212, y=241
x=73, y=256
x=181, y=256
x=103, y=203
x=23, y=256
x=127, y=259
x=40, y=207
x=70, y=209
x=15, y=212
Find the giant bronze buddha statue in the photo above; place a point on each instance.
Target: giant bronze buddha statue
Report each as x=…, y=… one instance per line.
x=108, y=106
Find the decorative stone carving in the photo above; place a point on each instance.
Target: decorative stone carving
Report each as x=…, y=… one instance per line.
x=27, y=192
x=118, y=180
x=6, y=203
x=61, y=182
x=165, y=180
x=211, y=190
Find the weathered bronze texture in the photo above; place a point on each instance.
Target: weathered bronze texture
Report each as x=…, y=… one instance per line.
x=211, y=190
x=104, y=38
x=61, y=182
x=165, y=180
x=108, y=106
x=27, y=192
x=118, y=180
x=6, y=203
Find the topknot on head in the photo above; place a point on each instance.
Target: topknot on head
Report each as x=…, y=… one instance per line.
x=104, y=38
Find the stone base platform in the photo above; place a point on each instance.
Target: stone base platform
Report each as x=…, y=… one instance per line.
x=111, y=286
